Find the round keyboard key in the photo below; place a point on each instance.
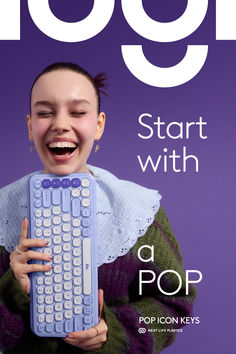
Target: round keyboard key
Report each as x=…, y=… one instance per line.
x=58, y=297
x=86, y=232
x=77, y=300
x=77, y=290
x=56, y=220
x=67, y=276
x=41, y=318
x=86, y=212
x=37, y=203
x=58, y=288
x=76, y=252
x=49, y=328
x=76, y=261
x=55, y=183
x=67, y=295
x=40, y=308
x=67, y=257
x=47, y=250
x=57, y=240
x=57, y=259
x=66, y=247
x=56, y=230
x=88, y=319
x=38, y=213
x=49, y=309
x=46, y=183
x=40, y=290
x=48, y=290
x=57, y=268
x=57, y=249
x=75, y=192
x=66, y=227
x=49, y=241
x=49, y=318
x=66, y=237
x=66, y=217
x=77, y=281
x=47, y=213
x=87, y=300
x=38, y=223
x=47, y=222
x=76, y=243
x=38, y=232
x=76, y=232
x=41, y=327
x=48, y=280
x=47, y=232
x=77, y=271
x=78, y=310
x=86, y=222
x=59, y=316
x=76, y=222
x=58, y=307
x=37, y=193
x=65, y=183
x=68, y=314
x=67, y=266
x=68, y=305
x=87, y=310
x=49, y=299
x=85, y=182
x=56, y=210
x=37, y=183
x=85, y=202
x=39, y=280
x=48, y=272
x=85, y=192
x=40, y=299
x=75, y=182
x=58, y=278
x=67, y=285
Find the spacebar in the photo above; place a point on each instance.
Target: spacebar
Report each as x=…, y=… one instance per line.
x=87, y=266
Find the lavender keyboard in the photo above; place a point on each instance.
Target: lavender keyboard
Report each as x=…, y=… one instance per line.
x=62, y=210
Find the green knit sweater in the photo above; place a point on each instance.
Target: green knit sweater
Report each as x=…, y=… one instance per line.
x=123, y=306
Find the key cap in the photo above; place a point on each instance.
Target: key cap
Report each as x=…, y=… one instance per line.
x=66, y=237
x=67, y=266
x=48, y=299
x=87, y=300
x=37, y=193
x=58, y=307
x=66, y=247
x=49, y=309
x=57, y=249
x=40, y=290
x=58, y=288
x=49, y=328
x=48, y=290
x=86, y=232
x=78, y=323
x=48, y=280
x=68, y=305
x=75, y=207
x=58, y=326
x=40, y=308
x=87, y=310
x=76, y=222
x=77, y=300
x=86, y=222
x=88, y=319
x=57, y=259
x=58, y=278
x=39, y=280
x=49, y=318
x=77, y=290
x=41, y=327
x=67, y=295
x=67, y=285
x=47, y=250
x=58, y=316
x=77, y=310
x=76, y=243
x=76, y=261
x=66, y=217
x=46, y=183
x=57, y=268
x=75, y=182
x=87, y=280
x=76, y=252
x=38, y=223
x=38, y=232
x=85, y=192
x=38, y=213
x=40, y=299
x=77, y=271
x=75, y=192
x=47, y=213
x=56, y=230
x=41, y=318
x=47, y=232
x=57, y=240
x=47, y=222
x=67, y=257
x=37, y=183
x=65, y=183
x=68, y=326
x=85, y=202
x=37, y=203
x=56, y=210
x=56, y=183
x=86, y=212
x=56, y=220
x=58, y=297
x=66, y=200
x=76, y=232
x=68, y=314
x=67, y=276
x=46, y=198
x=85, y=182
x=77, y=281
x=56, y=197
x=66, y=227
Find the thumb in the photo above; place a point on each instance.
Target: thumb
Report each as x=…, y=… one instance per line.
x=100, y=301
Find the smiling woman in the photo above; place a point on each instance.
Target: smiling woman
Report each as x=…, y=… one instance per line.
x=64, y=122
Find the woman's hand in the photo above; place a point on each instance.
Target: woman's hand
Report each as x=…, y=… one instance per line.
x=93, y=338
x=18, y=261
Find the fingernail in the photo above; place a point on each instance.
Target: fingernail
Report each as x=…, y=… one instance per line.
x=71, y=336
x=48, y=267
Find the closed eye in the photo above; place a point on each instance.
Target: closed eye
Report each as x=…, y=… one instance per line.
x=45, y=113
x=78, y=113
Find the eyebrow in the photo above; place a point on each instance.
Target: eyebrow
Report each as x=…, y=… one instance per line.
x=50, y=104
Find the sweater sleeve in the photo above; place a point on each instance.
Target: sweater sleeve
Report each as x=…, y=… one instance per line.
x=13, y=303
x=128, y=327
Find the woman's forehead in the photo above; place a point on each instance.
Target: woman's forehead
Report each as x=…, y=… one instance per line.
x=63, y=84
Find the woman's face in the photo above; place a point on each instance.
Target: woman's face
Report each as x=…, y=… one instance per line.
x=64, y=121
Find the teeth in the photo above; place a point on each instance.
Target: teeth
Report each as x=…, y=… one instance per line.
x=62, y=144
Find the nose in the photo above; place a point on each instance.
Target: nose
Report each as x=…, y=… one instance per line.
x=60, y=123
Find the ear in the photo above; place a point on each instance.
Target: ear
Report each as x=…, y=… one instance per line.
x=100, y=126
x=29, y=127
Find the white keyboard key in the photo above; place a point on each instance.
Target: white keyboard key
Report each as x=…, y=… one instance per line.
x=49, y=309
x=48, y=290
x=47, y=250
x=67, y=257
x=56, y=210
x=76, y=243
x=77, y=300
x=66, y=247
x=67, y=276
x=68, y=305
x=39, y=280
x=47, y=232
x=38, y=213
x=58, y=278
x=47, y=222
x=66, y=217
x=76, y=232
x=49, y=299
x=85, y=182
x=59, y=316
x=40, y=299
x=67, y=285
x=85, y=202
x=66, y=237
x=66, y=227
x=57, y=249
x=49, y=272
x=76, y=252
x=77, y=271
x=58, y=297
x=67, y=266
x=68, y=314
x=77, y=290
x=38, y=232
x=56, y=220
x=58, y=307
x=78, y=310
x=40, y=308
x=76, y=261
x=56, y=230
x=47, y=213
x=57, y=240
x=38, y=222
x=77, y=281
x=57, y=268
x=41, y=318
x=67, y=295
x=76, y=222
x=57, y=259
x=49, y=241
x=87, y=276
x=85, y=192
x=75, y=192
x=49, y=318
x=48, y=280
x=40, y=290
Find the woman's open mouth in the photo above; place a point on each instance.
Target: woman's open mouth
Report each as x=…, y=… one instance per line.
x=62, y=149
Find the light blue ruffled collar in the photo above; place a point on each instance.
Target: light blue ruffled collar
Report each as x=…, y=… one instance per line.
x=124, y=212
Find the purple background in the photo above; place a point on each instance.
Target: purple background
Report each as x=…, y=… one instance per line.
x=200, y=205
